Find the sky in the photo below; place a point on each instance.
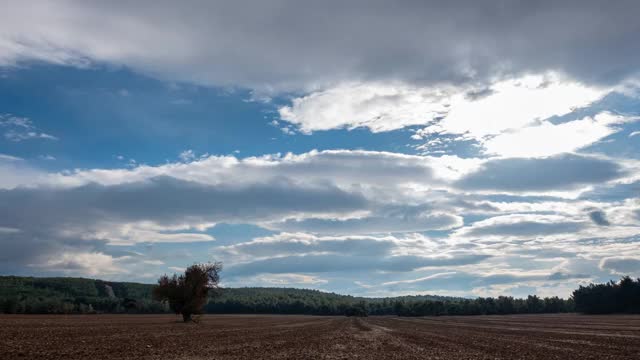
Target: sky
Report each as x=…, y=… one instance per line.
x=369, y=148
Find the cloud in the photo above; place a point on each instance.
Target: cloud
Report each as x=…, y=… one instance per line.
x=87, y=210
x=349, y=215
x=16, y=136
x=599, y=218
x=386, y=220
x=345, y=263
x=289, y=45
x=47, y=157
x=521, y=226
x=378, y=107
x=561, y=172
x=304, y=244
x=187, y=155
x=306, y=253
x=515, y=104
x=8, y=230
x=86, y=218
x=169, y=201
x=83, y=263
x=288, y=280
x=506, y=105
x=547, y=139
x=16, y=171
x=7, y=158
x=443, y=282
x=21, y=128
x=347, y=168
x=621, y=265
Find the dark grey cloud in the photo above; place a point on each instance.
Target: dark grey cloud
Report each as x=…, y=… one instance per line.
x=293, y=44
x=599, y=218
x=562, y=172
x=346, y=263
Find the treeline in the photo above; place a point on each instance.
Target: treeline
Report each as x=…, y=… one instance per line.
x=612, y=297
x=323, y=305
x=26, y=295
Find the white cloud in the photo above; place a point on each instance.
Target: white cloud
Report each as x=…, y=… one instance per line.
x=141, y=232
x=21, y=129
x=29, y=135
x=15, y=171
x=92, y=263
x=507, y=105
x=384, y=220
x=8, y=230
x=187, y=155
x=546, y=138
x=47, y=157
x=514, y=104
x=287, y=279
x=153, y=262
x=378, y=107
x=5, y=157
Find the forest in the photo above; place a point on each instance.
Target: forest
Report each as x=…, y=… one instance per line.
x=29, y=295
x=612, y=297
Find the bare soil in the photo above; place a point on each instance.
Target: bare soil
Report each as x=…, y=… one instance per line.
x=311, y=337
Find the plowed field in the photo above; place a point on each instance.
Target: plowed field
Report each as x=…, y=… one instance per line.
x=310, y=337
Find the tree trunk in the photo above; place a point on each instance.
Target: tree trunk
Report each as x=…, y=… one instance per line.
x=186, y=317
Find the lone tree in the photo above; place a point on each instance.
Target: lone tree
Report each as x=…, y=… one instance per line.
x=187, y=293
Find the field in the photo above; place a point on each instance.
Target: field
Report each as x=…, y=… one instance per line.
x=309, y=337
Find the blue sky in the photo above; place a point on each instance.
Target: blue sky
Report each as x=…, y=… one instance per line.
x=322, y=151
